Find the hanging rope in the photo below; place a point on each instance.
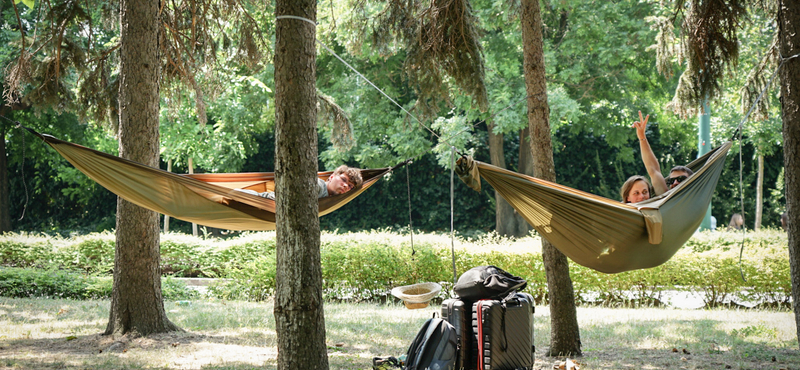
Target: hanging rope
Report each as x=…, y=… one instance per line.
x=410, y=223
x=452, y=211
x=22, y=166
x=738, y=133
x=445, y=140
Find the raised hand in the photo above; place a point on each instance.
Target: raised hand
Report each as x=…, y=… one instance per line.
x=641, y=125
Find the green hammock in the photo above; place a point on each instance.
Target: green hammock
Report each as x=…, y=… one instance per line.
x=205, y=199
x=600, y=233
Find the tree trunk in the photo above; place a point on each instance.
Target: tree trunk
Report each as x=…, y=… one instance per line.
x=564, y=332
x=136, y=304
x=507, y=221
x=299, y=319
x=789, y=45
x=5, y=202
x=759, y=193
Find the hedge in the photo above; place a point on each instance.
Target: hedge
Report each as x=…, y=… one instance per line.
x=367, y=265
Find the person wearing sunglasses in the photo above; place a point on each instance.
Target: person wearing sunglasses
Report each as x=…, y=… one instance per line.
x=342, y=180
x=677, y=174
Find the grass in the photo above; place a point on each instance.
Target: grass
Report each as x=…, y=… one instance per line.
x=64, y=334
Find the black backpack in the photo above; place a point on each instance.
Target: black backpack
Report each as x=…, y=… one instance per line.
x=487, y=282
x=434, y=347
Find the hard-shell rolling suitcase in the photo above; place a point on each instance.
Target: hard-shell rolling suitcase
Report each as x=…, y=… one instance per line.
x=459, y=314
x=503, y=332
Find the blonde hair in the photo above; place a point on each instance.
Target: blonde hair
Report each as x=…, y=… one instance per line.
x=626, y=187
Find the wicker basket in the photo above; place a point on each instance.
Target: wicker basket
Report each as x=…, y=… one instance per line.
x=417, y=295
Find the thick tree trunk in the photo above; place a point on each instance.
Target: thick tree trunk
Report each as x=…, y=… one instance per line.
x=759, y=193
x=5, y=202
x=299, y=319
x=507, y=221
x=564, y=333
x=136, y=304
x=789, y=45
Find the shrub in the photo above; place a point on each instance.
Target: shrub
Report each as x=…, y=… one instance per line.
x=38, y=283
x=367, y=265
x=30, y=283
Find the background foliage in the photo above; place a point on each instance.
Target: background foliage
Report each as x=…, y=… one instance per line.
x=601, y=70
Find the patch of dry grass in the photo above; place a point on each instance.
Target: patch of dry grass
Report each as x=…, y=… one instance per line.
x=64, y=334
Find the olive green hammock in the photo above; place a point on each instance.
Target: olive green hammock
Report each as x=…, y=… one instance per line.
x=207, y=199
x=600, y=233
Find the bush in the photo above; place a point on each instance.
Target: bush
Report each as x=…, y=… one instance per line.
x=38, y=283
x=367, y=265
x=30, y=283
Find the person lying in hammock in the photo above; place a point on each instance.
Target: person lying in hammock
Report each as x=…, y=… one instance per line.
x=636, y=189
x=677, y=174
x=342, y=180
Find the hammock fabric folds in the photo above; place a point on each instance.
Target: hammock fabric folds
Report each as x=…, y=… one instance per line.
x=600, y=233
x=205, y=199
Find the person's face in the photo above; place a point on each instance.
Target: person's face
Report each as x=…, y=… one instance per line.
x=639, y=192
x=676, y=177
x=339, y=184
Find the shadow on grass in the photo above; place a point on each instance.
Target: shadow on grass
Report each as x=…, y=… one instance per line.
x=682, y=343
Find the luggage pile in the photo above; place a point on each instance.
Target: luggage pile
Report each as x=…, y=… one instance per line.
x=489, y=326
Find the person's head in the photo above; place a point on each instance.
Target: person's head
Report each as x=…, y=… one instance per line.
x=344, y=179
x=635, y=189
x=677, y=175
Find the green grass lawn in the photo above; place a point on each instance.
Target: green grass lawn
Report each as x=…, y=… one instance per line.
x=64, y=334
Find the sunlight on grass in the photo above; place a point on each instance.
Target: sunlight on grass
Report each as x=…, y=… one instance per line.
x=64, y=334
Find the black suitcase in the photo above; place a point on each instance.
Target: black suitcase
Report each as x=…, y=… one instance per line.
x=503, y=332
x=459, y=314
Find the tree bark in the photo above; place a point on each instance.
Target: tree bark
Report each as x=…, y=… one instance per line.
x=507, y=221
x=564, y=332
x=299, y=319
x=137, y=307
x=789, y=45
x=759, y=193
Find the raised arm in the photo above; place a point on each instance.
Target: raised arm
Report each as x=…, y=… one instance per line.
x=649, y=158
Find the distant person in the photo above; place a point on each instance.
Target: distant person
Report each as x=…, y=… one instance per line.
x=342, y=180
x=785, y=221
x=677, y=174
x=737, y=222
x=635, y=189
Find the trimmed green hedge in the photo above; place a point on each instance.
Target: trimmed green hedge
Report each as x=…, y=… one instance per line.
x=367, y=265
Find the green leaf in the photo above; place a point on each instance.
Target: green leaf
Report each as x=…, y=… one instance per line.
x=28, y=3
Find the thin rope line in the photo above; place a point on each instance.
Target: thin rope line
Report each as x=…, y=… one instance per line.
x=410, y=222
x=764, y=90
x=376, y=87
x=445, y=140
x=296, y=17
x=452, y=211
x=22, y=166
x=741, y=169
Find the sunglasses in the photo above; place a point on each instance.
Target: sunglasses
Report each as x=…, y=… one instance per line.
x=672, y=180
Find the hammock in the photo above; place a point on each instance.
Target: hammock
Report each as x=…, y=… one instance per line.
x=600, y=233
x=205, y=199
